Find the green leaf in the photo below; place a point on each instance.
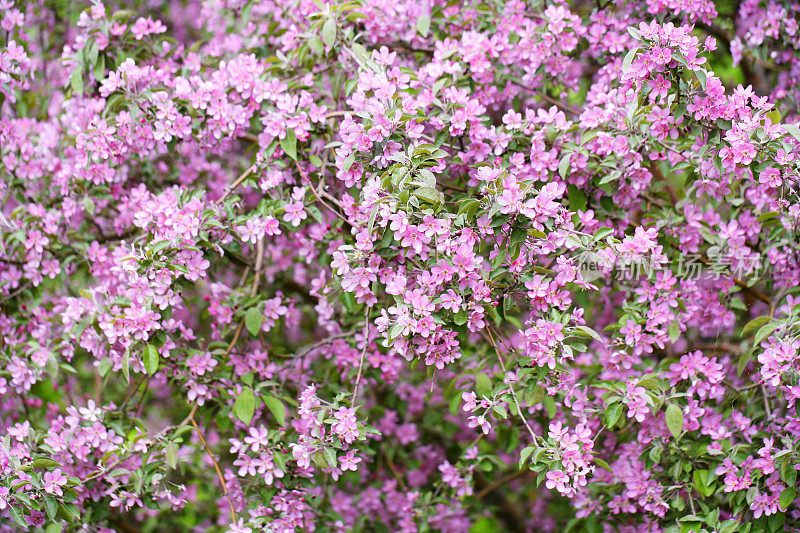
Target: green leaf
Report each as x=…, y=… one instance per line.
x=538, y=455
x=563, y=165
x=752, y=492
x=589, y=331
x=612, y=414
x=126, y=365
x=674, y=420
x=754, y=325
x=360, y=52
x=100, y=68
x=534, y=395
x=171, y=454
x=76, y=80
x=765, y=331
x=348, y=301
x=279, y=460
x=701, y=482
x=348, y=162
x=550, y=406
x=315, y=213
x=277, y=409
x=253, y=319
x=150, y=358
x=430, y=195
x=71, y=510
x=396, y=330
x=424, y=25
x=793, y=130
x=51, y=507
x=602, y=233
x=330, y=456
x=701, y=77
x=577, y=200
x=23, y=498
x=289, y=144
x=245, y=405
x=483, y=385
x=602, y=464
x=157, y=247
x=674, y=331
x=744, y=358
x=588, y=136
x=737, y=303
x=329, y=32
x=319, y=459
x=104, y=366
x=518, y=235
x=787, y=498
x=611, y=176
x=524, y=454
x=626, y=63
x=16, y=514
x=45, y=462
x=315, y=43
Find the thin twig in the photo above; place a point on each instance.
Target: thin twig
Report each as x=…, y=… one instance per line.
x=98, y=388
x=216, y=467
x=131, y=392
x=394, y=470
x=235, y=339
x=361, y=360
x=142, y=396
x=253, y=291
x=773, y=304
x=334, y=114
x=228, y=190
x=305, y=178
x=323, y=342
x=534, y=436
x=767, y=408
x=741, y=284
x=15, y=293
x=500, y=482
x=775, y=301
x=259, y=265
x=158, y=435
x=546, y=97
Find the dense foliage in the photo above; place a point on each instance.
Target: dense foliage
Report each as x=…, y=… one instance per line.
x=399, y=265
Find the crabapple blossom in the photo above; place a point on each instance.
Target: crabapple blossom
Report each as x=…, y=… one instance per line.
x=402, y=266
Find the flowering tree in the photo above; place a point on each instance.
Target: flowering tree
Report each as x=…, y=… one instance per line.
x=409, y=265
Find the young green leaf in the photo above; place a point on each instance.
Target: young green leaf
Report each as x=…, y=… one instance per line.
x=50, y=507
x=674, y=420
x=277, y=409
x=245, y=405
x=329, y=32
x=171, y=455
x=289, y=144
x=754, y=325
x=424, y=25
x=787, y=497
x=17, y=516
x=150, y=358
x=524, y=454
x=253, y=319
